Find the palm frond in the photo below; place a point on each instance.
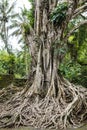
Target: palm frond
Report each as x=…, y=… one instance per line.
x=21, y=18
x=0, y=18
x=16, y=32
x=13, y=16
x=11, y=7
x=20, y=40
x=13, y=25
x=0, y=6
x=2, y=9
x=6, y=4
x=16, y=21
x=2, y=37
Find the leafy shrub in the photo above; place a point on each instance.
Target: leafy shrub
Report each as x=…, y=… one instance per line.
x=59, y=14
x=74, y=72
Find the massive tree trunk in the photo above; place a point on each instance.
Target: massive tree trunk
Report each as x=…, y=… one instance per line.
x=51, y=101
x=43, y=50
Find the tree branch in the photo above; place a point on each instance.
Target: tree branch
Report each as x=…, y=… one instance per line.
x=80, y=10
x=75, y=28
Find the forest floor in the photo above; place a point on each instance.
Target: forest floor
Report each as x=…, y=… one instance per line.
x=17, y=109
x=7, y=92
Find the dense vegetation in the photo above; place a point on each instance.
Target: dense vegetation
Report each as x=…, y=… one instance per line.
x=14, y=64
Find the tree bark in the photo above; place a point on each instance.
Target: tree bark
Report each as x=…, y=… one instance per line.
x=47, y=60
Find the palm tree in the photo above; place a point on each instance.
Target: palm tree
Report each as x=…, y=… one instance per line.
x=21, y=26
x=6, y=14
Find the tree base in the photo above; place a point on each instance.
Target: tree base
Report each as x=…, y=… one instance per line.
x=68, y=109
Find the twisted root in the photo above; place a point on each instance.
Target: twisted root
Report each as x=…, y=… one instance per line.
x=67, y=110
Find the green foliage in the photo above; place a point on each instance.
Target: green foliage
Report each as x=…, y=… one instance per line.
x=82, y=44
x=71, y=38
x=82, y=79
x=13, y=64
x=30, y=13
x=7, y=63
x=26, y=28
x=70, y=70
x=74, y=72
x=82, y=34
x=28, y=16
x=74, y=66
x=20, y=66
x=22, y=61
x=82, y=54
x=77, y=45
x=59, y=14
x=22, y=25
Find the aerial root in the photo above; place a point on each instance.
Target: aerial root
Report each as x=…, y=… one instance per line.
x=68, y=109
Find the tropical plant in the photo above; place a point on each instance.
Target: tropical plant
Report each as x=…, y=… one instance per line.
x=21, y=26
x=6, y=14
x=15, y=64
x=7, y=63
x=59, y=14
x=22, y=63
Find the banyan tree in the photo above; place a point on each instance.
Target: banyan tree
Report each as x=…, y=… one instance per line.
x=49, y=100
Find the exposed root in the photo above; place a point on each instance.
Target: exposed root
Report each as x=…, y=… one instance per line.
x=6, y=93
x=67, y=110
